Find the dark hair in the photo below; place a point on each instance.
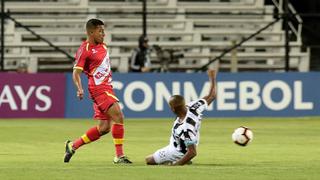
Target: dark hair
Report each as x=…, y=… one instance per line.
x=177, y=100
x=93, y=23
x=177, y=103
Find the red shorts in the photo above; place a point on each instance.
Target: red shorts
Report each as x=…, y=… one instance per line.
x=102, y=102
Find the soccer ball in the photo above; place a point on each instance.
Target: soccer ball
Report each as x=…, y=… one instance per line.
x=242, y=136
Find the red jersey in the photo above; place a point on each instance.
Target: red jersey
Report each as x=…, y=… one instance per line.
x=95, y=63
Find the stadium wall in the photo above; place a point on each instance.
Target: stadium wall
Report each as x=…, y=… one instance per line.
x=146, y=95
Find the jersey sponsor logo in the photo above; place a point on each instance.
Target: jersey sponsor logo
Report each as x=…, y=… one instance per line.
x=103, y=71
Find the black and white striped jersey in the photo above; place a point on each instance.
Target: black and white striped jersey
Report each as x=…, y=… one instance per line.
x=186, y=133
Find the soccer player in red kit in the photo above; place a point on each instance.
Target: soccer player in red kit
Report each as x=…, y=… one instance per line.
x=92, y=58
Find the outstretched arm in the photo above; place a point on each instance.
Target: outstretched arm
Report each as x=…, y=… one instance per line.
x=212, y=92
x=77, y=82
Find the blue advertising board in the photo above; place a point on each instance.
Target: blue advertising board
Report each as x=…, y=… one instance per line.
x=238, y=95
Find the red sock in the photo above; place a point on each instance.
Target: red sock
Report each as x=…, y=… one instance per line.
x=118, y=134
x=91, y=135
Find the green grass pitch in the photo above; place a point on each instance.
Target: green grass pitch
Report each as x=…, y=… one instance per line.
x=283, y=148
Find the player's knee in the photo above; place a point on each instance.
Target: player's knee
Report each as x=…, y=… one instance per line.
x=150, y=161
x=104, y=132
x=118, y=117
x=104, y=129
x=115, y=113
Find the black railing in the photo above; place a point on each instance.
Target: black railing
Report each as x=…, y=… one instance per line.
x=204, y=67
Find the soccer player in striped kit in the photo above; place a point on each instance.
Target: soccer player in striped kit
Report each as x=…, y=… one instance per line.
x=185, y=131
x=92, y=58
